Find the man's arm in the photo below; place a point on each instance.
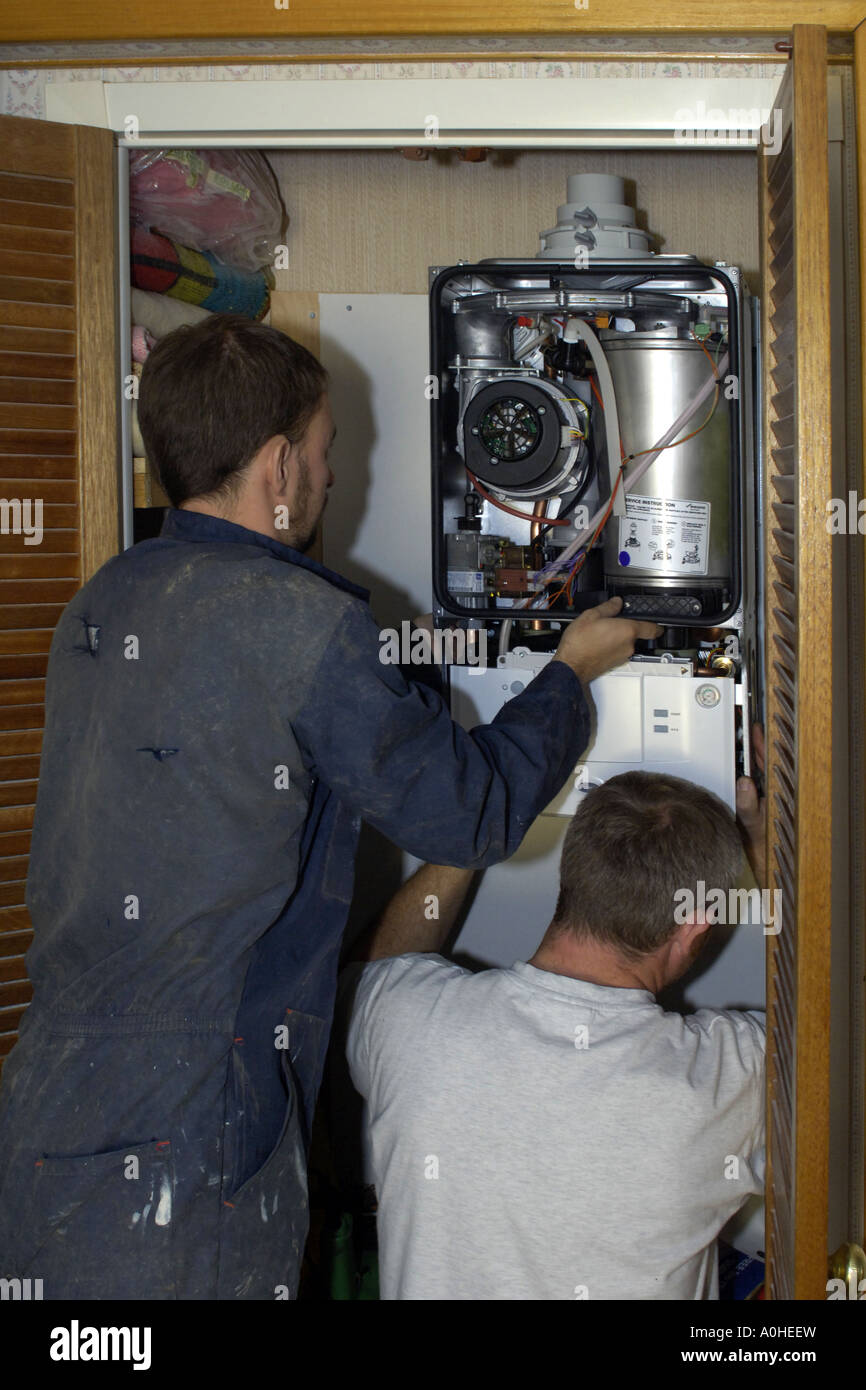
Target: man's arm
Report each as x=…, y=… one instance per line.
x=420, y=915
x=390, y=750
x=417, y=919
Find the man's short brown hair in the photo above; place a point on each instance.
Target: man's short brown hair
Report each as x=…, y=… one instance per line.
x=212, y=394
x=633, y=843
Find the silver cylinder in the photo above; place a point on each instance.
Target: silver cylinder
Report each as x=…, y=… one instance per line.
x=654, y=380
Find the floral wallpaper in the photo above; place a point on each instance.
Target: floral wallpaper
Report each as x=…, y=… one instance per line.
x=22, y=90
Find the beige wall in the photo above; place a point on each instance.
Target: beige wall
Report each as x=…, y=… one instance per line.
x=370, y=221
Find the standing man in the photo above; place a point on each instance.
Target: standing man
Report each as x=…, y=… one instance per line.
x=218, y=722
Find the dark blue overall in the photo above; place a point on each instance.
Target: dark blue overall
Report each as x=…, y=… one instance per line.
x=218, y=722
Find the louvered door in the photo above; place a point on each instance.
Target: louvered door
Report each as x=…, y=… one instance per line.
x=59, y=460
x=796, y=289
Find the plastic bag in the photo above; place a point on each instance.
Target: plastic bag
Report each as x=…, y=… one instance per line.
x=226, y=202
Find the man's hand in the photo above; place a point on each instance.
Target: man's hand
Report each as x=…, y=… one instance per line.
x=598, y=640
x=751, y=813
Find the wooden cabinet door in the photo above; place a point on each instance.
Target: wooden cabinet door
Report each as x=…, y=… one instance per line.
x=796, y=297
x=59, y=455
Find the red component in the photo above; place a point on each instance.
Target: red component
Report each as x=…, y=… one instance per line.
x=509, y=580
x=524, y=321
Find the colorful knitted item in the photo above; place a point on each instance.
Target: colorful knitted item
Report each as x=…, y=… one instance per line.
x=196, y=277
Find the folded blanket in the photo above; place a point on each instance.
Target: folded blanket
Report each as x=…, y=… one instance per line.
x=160, y=315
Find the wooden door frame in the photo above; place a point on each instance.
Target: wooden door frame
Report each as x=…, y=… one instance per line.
x=57, y=21
x=98, y=382
x=798, y=727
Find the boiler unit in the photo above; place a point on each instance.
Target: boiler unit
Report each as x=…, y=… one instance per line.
x=592, y=435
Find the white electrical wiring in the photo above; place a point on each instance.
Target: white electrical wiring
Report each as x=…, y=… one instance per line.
x=578, y=328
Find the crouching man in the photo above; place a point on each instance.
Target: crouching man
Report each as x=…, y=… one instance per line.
x=549, y=1131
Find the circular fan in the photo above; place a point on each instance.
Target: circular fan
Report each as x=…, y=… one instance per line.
x=512, y=432
x=510, y=428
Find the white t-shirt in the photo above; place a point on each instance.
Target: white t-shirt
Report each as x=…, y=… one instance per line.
x=534, y=1136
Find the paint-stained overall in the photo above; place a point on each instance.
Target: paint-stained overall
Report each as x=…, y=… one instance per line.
x=218, y=724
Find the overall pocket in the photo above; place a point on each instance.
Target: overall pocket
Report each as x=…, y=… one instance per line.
x=100, y=1225
x=263, y=1224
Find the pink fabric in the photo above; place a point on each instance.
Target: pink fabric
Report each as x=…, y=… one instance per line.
x=142, y=342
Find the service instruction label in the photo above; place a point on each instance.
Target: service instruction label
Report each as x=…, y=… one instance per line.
x=665, y=533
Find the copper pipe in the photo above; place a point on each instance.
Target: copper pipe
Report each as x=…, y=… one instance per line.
x=540, y=511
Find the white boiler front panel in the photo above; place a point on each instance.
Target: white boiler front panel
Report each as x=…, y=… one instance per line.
x=652, y=716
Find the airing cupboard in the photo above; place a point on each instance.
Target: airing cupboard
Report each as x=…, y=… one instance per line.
x=517, y=407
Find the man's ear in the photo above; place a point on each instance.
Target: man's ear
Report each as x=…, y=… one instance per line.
x=278, y=455
x=690, y=937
